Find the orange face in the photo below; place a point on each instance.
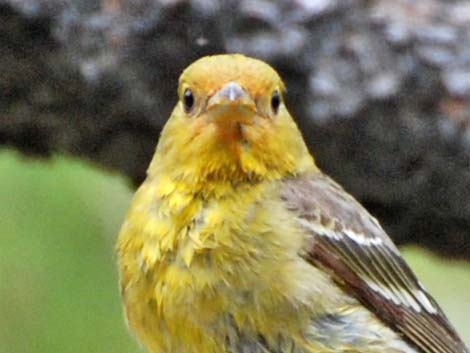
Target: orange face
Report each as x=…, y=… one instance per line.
x=230, y=121
x=242, y=93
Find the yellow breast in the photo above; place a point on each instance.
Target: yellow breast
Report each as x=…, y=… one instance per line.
x=197, y=271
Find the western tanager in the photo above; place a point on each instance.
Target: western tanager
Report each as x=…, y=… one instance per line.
x=236, y=242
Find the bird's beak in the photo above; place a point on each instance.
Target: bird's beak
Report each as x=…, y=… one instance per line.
x=231, y=99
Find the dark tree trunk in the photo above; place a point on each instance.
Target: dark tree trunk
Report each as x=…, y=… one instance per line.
x=381, y=90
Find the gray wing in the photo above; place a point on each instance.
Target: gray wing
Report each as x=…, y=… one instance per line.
x=350, y=244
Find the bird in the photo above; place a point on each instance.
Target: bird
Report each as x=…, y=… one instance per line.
x=237, y=242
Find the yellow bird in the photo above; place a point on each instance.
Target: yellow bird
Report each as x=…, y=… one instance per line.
x=237, y=243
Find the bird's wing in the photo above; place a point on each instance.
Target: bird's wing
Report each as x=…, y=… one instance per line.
x=347, y=241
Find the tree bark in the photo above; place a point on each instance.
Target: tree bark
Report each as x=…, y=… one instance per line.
x=380, y=89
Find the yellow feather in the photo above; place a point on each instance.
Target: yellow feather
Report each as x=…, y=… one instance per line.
x=208, y=255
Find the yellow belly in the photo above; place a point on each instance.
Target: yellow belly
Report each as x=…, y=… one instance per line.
x=223, y=275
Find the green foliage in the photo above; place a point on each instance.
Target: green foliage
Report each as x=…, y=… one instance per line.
x=58, y=281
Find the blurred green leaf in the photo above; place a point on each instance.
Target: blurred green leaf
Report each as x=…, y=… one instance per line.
x=58, y=287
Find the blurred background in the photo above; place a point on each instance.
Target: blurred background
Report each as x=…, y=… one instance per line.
x=380, y=89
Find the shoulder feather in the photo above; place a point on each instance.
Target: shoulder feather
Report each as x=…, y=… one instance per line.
x=348, y=242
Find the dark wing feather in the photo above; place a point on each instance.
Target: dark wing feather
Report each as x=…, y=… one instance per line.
x=349, y=243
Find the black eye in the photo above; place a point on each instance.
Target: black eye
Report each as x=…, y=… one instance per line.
x=275, y=101
x=188, y=100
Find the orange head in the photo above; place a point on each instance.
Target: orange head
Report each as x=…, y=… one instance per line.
x=230, y=123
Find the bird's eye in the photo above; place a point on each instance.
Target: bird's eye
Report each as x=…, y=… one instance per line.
x=188, y=100
x=275, y=101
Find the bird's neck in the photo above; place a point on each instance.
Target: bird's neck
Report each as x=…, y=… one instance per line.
x=196, y=154
x=225, y=173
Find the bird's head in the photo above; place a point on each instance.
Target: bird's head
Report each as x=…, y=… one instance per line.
x=231, y=123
